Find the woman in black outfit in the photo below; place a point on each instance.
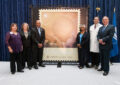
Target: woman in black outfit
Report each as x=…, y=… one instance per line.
x=26, y=40
x=83, y=47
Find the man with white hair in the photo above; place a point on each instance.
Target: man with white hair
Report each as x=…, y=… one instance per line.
x=38, y=38
x=104, y=37
x=94, y=44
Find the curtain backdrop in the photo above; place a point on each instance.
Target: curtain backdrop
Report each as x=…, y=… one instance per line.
x=18, y=11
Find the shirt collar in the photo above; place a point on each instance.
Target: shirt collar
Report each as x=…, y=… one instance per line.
x=105, y=25
x=11, y=32
x=38, y=27
x=97, y=24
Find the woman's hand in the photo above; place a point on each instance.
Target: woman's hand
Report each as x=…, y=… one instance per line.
x=78, y=45
x=10, y=49
x=22, y=48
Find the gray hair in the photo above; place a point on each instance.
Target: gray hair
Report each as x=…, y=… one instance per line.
x=106, y=17
x=82, y=25
x=24, y=24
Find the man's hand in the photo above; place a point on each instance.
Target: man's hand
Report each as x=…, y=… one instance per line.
x=103, y=43
x=100, y=41
x=40, y=45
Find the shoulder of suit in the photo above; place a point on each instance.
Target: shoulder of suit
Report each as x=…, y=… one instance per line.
x=78, y=33
x=111, y=25
x=86, y=32
x=101, y=26
x=42, y=28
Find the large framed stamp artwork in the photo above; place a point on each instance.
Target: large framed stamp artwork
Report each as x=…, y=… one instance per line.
x=61, y=28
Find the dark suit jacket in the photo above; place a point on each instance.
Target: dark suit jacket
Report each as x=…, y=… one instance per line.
x=106, y=36
x=85, y=40
x=27, y=42
x=36, y=38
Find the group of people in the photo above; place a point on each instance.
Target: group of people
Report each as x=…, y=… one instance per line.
x=97, y=43
x=27, y=45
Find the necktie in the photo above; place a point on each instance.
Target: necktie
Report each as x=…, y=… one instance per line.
x=39, y=31
x=95, y=27
x=103, y=29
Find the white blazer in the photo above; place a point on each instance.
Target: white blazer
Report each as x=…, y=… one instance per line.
x=94, y=44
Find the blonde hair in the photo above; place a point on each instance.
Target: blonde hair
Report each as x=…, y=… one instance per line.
x=24, y=24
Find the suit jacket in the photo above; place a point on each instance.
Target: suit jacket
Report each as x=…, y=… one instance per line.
x=27, y=42
x=36, y=38
x=106, y=36
x=84, y=42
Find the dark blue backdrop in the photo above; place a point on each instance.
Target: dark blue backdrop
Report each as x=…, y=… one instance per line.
x=18, y=11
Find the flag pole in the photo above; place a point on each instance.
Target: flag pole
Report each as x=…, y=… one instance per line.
x=97, y=9
x=114, y=9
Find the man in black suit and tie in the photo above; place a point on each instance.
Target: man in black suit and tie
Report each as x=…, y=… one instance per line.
x=105, y=36
x=38, y=38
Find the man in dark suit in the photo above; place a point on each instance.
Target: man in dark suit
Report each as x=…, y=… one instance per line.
x=38, y=38
x=104, y=36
